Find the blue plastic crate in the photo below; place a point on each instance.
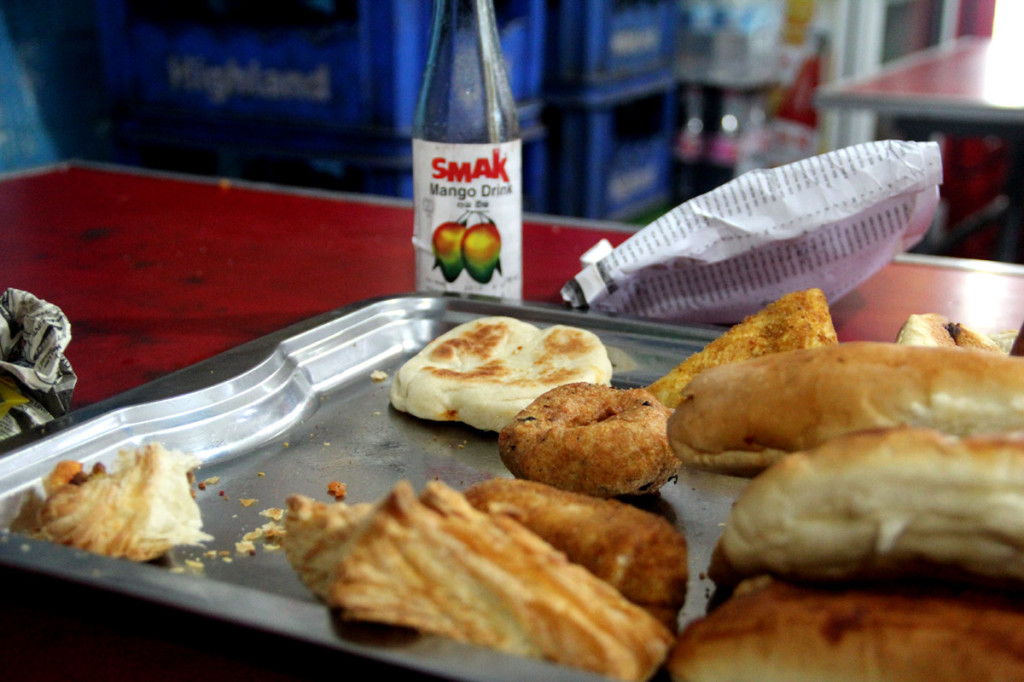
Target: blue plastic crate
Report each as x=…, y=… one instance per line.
x=374, y=163
x=608, y=39
x=612, y=148
x=359, y=69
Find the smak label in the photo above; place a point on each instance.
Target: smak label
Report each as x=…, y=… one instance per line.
x=468, y=226
x=468, y=171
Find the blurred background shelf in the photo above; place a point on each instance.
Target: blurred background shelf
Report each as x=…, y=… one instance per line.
x=628, y=107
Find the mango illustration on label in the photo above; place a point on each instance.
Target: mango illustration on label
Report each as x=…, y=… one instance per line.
x=481, y=251
x=476, y=248
x=447, y=243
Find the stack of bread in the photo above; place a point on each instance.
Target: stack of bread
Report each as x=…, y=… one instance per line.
x=882, y=534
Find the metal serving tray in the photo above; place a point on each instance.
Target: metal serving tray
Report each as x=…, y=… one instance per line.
x=289, y=413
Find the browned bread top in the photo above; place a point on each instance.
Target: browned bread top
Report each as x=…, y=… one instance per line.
x=739, y=418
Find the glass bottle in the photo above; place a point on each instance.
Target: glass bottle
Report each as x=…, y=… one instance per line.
x=467, y=159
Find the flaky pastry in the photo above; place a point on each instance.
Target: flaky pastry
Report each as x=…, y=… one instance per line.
x=315, y=536
x=436, y=564
x=139, y=510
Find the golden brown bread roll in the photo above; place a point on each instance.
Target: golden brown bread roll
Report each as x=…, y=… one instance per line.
x=639, y=553
x=740, y=418
x=884, y=504
x=891, y=633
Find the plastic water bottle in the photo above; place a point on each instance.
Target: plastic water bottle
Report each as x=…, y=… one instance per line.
x=467, y=159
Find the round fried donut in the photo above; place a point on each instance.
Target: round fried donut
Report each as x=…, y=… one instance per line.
x=591, y=439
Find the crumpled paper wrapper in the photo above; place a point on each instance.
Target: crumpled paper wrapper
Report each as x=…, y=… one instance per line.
x=828, y=221
x=36, y=380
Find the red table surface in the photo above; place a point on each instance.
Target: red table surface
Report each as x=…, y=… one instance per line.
x=157, y=273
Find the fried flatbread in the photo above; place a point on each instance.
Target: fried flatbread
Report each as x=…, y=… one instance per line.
x=436, y=564
x=800, y=319
x=482, y=373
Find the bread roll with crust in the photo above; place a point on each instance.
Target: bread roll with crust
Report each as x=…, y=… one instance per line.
x=637, y=552
x=884, y=504
x=482, y=373
x=740, y=418
x=891, y=633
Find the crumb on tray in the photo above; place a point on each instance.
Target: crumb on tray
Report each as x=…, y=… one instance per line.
x=337, y=490
x=275, y=513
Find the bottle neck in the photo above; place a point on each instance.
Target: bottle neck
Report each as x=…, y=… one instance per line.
x=465, y=95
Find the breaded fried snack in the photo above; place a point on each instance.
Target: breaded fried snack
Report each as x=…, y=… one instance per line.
x=800, y=319
x=436, y=564
x=639, y=553
x=904, y=632
x=484, y=372
x=593, y=440
x=892, y=503
x=139, y=510
x=740, y=418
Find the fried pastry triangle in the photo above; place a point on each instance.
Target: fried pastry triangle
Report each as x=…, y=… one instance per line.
x=800, y=319
x=436, y=564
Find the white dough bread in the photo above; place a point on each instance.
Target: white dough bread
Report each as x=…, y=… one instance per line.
x=892, y=503
x=484, y=372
